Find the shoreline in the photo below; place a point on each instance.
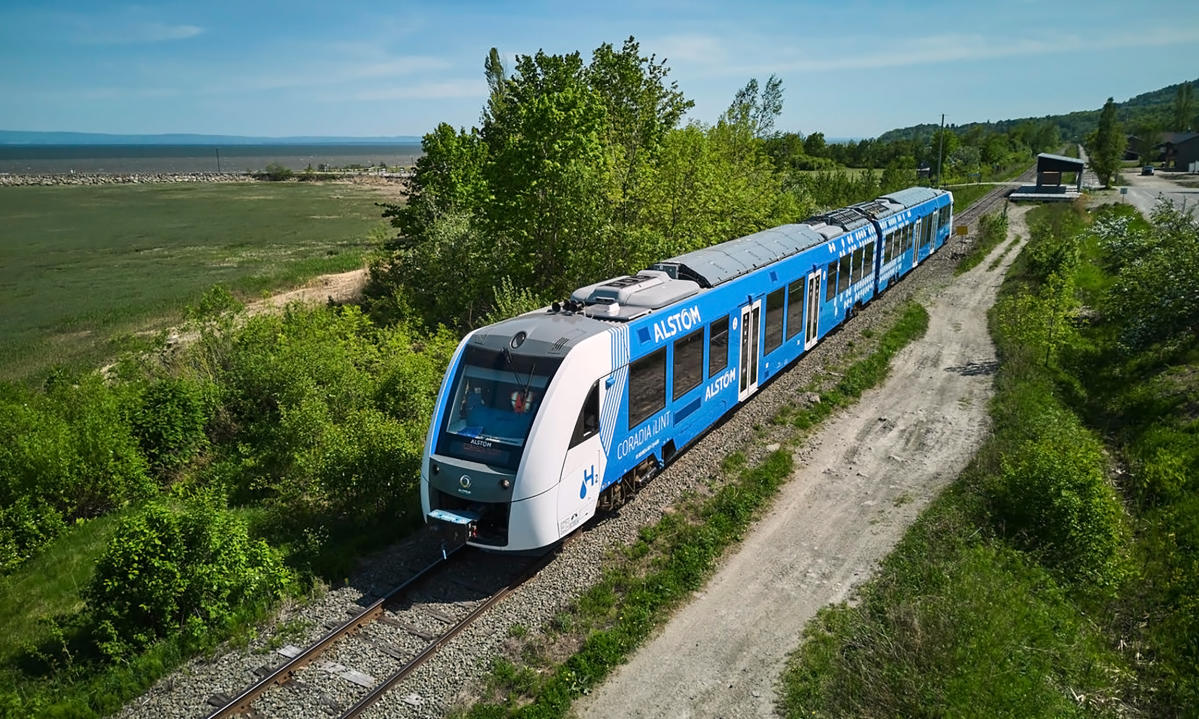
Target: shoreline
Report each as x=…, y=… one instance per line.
x=138, y=178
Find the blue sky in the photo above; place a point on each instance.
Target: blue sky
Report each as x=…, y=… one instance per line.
x=850, y=68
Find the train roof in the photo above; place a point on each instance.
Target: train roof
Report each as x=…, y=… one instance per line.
x=542, y=333
x=717, y=264
x=912, y=196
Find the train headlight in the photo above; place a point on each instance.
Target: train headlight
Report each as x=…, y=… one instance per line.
x=436, y=469
x=505, y=483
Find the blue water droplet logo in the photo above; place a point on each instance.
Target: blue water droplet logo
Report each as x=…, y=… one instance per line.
x=583, y=490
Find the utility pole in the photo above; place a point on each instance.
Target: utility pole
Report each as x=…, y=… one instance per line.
x=218, y=159
x=940, y=145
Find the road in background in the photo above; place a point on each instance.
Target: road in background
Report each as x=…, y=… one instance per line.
x=1143, y=191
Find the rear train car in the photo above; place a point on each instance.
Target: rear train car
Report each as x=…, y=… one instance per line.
x=547, y=417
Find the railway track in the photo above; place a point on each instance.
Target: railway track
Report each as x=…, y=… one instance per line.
x=992, y=199
x=401, y=630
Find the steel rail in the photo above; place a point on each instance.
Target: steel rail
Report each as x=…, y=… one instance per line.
x=241, y=703
x=386, y=685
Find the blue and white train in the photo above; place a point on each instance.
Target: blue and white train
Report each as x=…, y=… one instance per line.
x=543, y=418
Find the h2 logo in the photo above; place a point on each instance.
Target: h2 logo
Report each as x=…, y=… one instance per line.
x=588, y=480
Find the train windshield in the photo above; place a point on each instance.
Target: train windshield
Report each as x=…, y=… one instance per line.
x=494, y=398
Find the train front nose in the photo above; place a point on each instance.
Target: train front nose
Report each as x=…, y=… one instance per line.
x=477, y=497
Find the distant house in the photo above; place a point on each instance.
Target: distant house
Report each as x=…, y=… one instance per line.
x=1180, y=149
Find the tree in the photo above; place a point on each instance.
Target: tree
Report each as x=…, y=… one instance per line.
x=550, y=192
x=758, y=110
x=1184, y=107
x=1148, y=136
x=1153, y=298
x=497, y=84
x=1106, y=144
x=815, y=145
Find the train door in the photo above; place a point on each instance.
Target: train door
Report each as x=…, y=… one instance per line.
x=932, y=235
x=916, y=228
x=583, y=466
x=751, y=316
x=812, y=320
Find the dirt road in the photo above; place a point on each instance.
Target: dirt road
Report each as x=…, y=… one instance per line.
x=859, y=484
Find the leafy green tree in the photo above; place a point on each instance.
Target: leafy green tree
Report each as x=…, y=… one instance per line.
x=1154, y=298
x=576, y=173
x=1148, y=137
x=814, y=145
x=1106, y=145
x=1184, y=107
x=756, y=109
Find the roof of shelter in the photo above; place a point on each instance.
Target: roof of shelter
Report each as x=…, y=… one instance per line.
x=1058, y=163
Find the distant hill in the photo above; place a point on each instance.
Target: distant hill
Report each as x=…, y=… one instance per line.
x=1074, y=126
x=21, y=137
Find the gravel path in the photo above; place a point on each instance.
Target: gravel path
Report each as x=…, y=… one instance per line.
x=859, y=483
x=455, y=674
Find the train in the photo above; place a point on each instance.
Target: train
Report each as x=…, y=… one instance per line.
x=546, y=418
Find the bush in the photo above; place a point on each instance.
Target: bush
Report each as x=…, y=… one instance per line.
x=276, y=172
x=65, y=454
x=169, y=571
x=169, y=422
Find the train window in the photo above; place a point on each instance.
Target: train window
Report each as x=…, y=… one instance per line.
x=843, y=275
x=830, y=281
x=868, y=261
x=718, y=346
x=647, y=386
x=795, y=294
x=772, y=334
x=587, y=425
x=858, y=269
x=495, y=397
x=688, y=363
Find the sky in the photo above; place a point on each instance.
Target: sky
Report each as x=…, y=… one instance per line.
x=851, y=68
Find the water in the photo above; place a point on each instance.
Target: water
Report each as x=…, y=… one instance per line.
x=121, y=159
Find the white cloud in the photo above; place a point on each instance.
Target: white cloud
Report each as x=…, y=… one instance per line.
x=135, y=33
x=699, y=49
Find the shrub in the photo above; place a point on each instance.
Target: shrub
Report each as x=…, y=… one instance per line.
x=276, y=172
x=169, y=422
x=65, y=454
x=1052, y=497
x=169, y=571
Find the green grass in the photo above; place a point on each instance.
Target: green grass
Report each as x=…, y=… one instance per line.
x=992, y=230
x=49, y=585
x=966, y=195
x=82, y=265
x=671, y=560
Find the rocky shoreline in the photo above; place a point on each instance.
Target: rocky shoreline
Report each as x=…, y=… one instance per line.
x=138, y=178
x=99, y=178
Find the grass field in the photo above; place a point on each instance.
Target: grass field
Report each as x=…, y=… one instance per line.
x=82, y=266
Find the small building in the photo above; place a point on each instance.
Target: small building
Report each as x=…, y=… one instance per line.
x=1180, y=149
x=1051, y=170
